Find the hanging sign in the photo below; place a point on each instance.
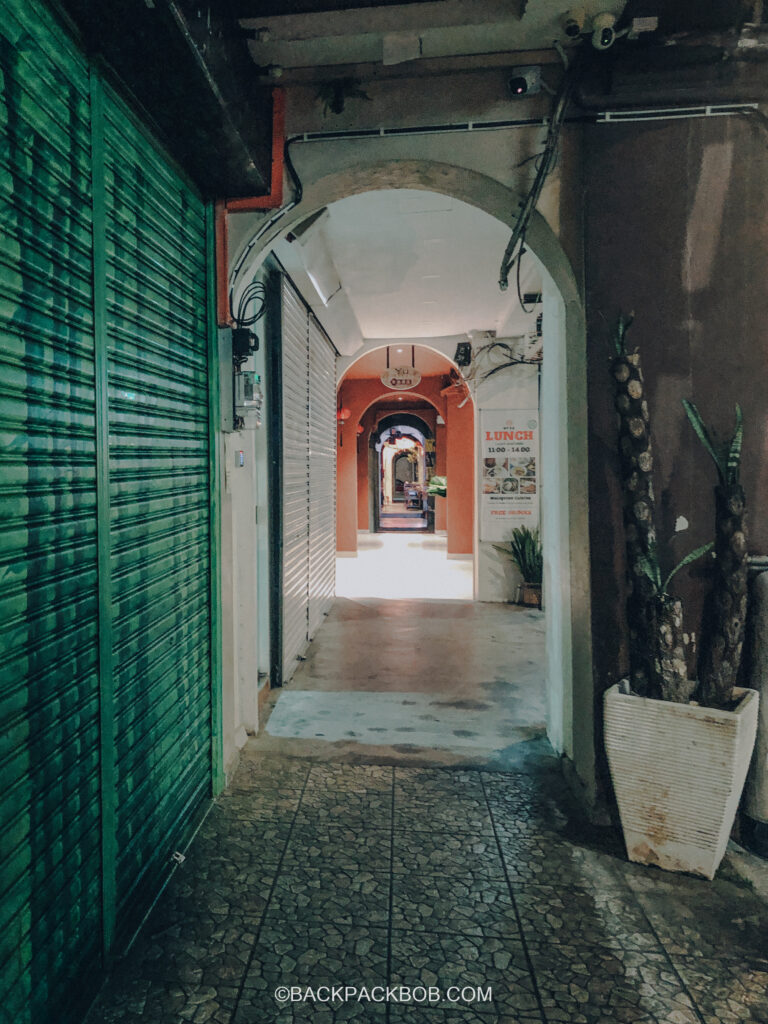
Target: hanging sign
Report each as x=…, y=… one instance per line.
x=509, y=464
x=400, y=378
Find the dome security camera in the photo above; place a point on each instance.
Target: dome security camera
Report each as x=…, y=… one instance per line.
x=524, y=81
x=603, y=31
x=573, y=22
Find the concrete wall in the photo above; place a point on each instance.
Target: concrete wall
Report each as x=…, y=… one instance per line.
x=676, y=230
x=239, y=593
x=244, y=572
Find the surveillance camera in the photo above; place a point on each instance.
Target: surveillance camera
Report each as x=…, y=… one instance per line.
x=603, y=31
x=525, y=81
x=573, y=22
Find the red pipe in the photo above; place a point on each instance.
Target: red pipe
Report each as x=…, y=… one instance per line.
x=223, y=315
x=275, y=196
x=270, y=201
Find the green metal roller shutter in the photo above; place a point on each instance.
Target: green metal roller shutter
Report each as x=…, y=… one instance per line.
x=159, y=498
x=50, y=922
x=106, y=503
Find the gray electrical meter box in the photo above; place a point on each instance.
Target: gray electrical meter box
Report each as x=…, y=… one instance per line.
x=248, y=399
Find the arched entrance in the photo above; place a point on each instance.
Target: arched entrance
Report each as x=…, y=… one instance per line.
x=445, y=404
x=570, y=689
x=401, y=463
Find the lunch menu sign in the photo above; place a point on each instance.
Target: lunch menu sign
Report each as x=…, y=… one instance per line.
x=509, y=482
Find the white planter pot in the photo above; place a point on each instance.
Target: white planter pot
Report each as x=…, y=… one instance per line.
x=678, y=771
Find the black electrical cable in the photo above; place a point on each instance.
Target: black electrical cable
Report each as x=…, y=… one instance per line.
x=255, y=293
x=298, y=193
x=544, y=165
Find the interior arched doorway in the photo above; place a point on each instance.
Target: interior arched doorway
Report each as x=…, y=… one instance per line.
x=400, y=462
x=570, y=687
x=450, y=411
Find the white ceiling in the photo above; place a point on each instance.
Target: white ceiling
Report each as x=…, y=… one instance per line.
x=373, y=364
x=412, y=264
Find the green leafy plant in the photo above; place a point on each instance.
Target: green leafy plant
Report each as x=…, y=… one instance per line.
x=437, y=485
x=650, y=566
x=524, y=548
x=726, y=456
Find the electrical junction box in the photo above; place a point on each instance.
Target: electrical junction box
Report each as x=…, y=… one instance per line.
x=248, y=399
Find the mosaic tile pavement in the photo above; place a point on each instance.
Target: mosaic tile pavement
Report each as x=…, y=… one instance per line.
x=472, y=896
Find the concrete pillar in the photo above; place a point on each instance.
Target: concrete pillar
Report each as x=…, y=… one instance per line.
x=346, y=485
x=441, y=506
x=460, y=470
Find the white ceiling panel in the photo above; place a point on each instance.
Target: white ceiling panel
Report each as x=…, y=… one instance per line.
x=418, y=264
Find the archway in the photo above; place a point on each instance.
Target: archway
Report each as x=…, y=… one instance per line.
x=401, y=464
x=565, y=525
x=361, y=391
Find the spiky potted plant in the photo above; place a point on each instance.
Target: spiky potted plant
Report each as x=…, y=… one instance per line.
x=670, y=659
x=524, y=549
x=721, y=655
x=678, y=764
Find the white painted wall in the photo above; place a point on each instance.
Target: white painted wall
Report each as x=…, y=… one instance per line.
x=239, y=596
x=555, y=522
x=245, y=571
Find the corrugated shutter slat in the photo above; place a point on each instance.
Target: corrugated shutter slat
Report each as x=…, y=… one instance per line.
x=309, y=476
x=49, y=739
x=158, y=396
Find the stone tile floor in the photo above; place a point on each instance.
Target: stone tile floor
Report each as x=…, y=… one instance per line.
x=308, y=874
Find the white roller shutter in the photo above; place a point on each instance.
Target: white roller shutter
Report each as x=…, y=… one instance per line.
x=308, y=574
x=322, y=475
x=295, y=477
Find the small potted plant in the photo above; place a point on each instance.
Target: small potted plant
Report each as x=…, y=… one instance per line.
x=678, y=749
x=437, y=486
x=524, y=548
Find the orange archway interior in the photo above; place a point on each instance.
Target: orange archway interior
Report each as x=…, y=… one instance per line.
x=368, y=400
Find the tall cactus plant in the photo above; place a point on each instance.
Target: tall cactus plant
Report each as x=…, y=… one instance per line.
x=721, y=656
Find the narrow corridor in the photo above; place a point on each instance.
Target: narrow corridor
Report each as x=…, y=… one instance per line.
x=417, y=681
x=456, y=873
x=309, y=875
x=399, y=565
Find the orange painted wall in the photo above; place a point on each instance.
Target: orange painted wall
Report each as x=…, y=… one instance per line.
x=352, y=471
x=441, y=504
x=460, y=471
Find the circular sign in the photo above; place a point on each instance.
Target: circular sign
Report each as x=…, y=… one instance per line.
x=400, y=378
